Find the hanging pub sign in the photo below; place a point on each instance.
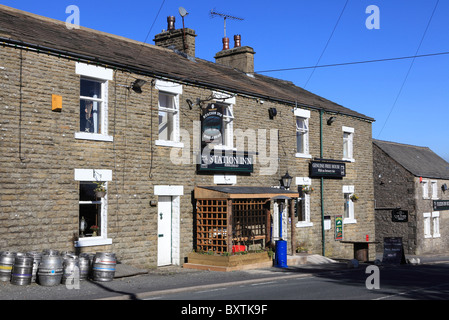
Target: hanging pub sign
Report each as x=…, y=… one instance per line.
x=212, y=125
x=440, y=205
x=225, y=161
x=398, y=215
x=327, y=169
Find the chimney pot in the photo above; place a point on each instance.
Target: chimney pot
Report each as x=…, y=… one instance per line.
x=237, y=41
x=171, y=23
x=225, y=43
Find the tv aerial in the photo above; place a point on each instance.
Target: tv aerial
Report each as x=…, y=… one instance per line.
x=224, y=16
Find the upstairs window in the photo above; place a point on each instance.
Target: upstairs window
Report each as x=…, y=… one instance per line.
x=93, y=107
x=302, y=133
x=348, y=141
x=168, y=114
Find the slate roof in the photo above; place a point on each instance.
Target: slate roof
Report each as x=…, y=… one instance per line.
x=419, y=161
x=53, y=37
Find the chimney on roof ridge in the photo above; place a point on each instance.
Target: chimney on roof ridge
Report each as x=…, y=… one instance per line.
x=182, y=39
x=241, y=58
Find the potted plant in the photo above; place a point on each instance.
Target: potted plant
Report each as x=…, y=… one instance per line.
x=94, y=230
x=100, y=190
x=354, y=198
x=306, y=189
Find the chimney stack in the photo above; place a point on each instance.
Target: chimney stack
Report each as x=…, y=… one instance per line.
x=182, y=39
x=241, y=58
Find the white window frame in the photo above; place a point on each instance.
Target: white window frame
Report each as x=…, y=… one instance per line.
x=349, y=191
x=90, y=175
x=102, y=75
x=305, y=203
x=426, y=221
x=434, y=189
x=174, y=90
x=436, y=224
x=227, y=101
x=303, y=115
x=425, y=189
x=349, y=142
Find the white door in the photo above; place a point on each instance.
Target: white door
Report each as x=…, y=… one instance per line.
x=164, y=231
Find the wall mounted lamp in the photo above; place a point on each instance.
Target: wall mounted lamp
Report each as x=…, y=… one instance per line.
x=444, y=187
x=137, y=85
x=272, y=112
x=286, y=180
x=330, y=120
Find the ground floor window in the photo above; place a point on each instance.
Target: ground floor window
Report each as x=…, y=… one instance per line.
x=431, y=224
x=348, y=208
x=92, y=206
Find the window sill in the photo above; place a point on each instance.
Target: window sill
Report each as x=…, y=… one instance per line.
x=349, y=220
x=224, y=148
x=303, y=224
x=93, y=136
x=92, y=241
x=167, y=143
x=348, y=159
x=303, y=155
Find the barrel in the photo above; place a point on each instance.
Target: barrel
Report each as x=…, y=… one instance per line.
x=22, y=270
x=70, y=268
x=37, y=257
x=103, y=268
x=84, y=266
x=281, y=254
x=50, y=270
x=6, y=264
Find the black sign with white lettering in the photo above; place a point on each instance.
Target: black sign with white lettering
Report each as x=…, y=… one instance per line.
x=327, y=169
x=399, y=215
x=440, y=205
x=393, y=251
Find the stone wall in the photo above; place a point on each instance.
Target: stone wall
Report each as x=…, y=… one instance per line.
x=394, y=187
x=39, y=195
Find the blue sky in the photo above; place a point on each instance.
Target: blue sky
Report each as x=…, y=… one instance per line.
x=293, y=34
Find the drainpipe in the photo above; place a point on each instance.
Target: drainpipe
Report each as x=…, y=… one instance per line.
x=323, y=239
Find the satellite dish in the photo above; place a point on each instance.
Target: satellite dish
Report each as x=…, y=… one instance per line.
x=183, y=12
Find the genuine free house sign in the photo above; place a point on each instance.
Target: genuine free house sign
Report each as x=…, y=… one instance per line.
x=327, y=169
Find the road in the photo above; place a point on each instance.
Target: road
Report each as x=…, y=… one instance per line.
x=415, y=282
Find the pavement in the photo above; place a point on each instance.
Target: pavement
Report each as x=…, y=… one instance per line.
x=131, y=283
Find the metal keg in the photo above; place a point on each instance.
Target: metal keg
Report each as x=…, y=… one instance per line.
x=37, y=257
x=22, y=270
x=84, y=266
x=103, y=268
x=6, y=264
x=70, y=268
x=51, y=252
x=50, y=270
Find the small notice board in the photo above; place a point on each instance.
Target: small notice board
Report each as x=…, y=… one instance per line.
x=393, y=251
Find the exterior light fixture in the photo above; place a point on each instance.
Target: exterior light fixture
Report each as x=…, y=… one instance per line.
x=330, y=120
x=444, y=187
x=286, y=180
x=272, y=112
x=137, y=85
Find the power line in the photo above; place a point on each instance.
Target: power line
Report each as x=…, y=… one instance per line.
x=409, y=69
x=355, y=62
x=327, y=43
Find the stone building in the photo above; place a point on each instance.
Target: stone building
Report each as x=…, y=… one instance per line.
x=81, y=108
x=412, y=201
